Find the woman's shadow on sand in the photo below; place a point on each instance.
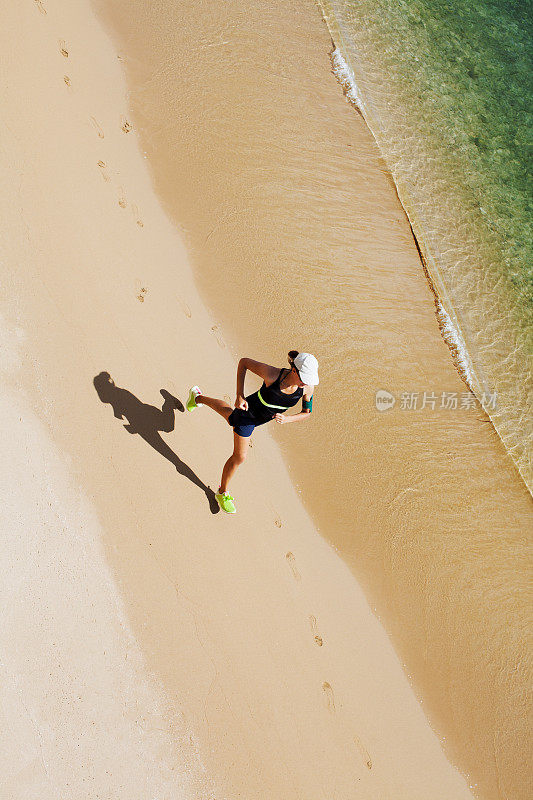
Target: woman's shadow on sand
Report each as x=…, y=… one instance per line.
x=147, y=421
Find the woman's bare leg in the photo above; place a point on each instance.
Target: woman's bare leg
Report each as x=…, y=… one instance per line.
x=240, y=451
x=220, y=406
x=240, y=443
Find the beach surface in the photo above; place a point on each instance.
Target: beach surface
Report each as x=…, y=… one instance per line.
x=297, y=240
x=150, y=646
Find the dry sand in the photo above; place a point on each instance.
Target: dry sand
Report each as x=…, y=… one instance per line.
x=151, y=648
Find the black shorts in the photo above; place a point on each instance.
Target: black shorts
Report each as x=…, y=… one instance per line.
x=243, y=422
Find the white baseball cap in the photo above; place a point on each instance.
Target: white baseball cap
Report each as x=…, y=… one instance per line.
x=307, y=367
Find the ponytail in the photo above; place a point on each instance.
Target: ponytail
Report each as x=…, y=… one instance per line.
x=292, y=356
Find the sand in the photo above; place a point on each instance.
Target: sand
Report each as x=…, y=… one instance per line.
x=151, y=647
x=297, y=240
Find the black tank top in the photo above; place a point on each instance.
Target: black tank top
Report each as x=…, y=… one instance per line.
x=274, y=397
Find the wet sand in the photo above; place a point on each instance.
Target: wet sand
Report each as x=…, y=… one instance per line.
x=298, y=240
x=150, y=645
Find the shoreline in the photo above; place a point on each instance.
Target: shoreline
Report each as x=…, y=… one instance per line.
x=468, y=367
x=250, y=628
x=245, y=201
x=453, y=336
x=450, y=334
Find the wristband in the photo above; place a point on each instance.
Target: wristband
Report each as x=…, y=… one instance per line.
x=307, y=405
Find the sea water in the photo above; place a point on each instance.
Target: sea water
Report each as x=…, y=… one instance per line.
x=445, y=88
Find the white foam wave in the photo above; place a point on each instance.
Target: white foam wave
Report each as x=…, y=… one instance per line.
x=456, y=343
x=346, y=78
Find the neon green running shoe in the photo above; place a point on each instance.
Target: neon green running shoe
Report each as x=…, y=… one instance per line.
x=226, y=502
x=191, y=402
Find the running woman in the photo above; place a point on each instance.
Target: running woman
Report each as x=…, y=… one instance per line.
x=281, y=389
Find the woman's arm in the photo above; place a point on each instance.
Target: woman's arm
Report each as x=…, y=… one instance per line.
x=292, y=417
x=241, y=372
x=305, y=414
x=265, y=371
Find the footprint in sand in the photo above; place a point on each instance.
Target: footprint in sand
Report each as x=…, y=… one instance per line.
x=365, y=755
x=103, y=171
x=122, y=197
x=185, y=308
x=314, y=630
x=67, y=80
x=328, y=694
x=140, y=296
x=292, y=564
x=63, y=48
x=277, y=522
x=97, y=128
x=125, y=125
x=220, y=342
x=227, y=398
x=40, y=6
x=136, y=214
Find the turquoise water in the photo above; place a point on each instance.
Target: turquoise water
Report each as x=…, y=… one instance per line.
x=446, y=88
x=475, y=74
